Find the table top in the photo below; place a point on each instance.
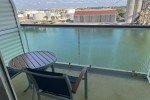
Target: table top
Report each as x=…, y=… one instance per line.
x=35, y=59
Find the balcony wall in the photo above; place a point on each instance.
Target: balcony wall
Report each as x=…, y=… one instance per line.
x=119, y=48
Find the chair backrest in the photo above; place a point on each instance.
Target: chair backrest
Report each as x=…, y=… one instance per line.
x=13, y=72
x=11, y=43
x=56, y=84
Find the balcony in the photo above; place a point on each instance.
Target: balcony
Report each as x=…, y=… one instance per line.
x=102, y=85
x=117, y=58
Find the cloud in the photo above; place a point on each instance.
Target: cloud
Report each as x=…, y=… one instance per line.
x=51, y=2
x=42, y=4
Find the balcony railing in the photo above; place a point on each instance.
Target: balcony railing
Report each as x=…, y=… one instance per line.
x=121, y=48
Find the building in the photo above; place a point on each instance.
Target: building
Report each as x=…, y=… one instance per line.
x=95, y=16
x=29, y=13
x=39, y=16
x=70, y=14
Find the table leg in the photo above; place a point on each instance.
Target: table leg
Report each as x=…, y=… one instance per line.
x=52, y=66
x=30, y=84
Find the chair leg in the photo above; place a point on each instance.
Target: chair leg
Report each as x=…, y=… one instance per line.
x=33, y=93
x=39, y=97
x=86, y=85
x=29, y=86
x=52, y=67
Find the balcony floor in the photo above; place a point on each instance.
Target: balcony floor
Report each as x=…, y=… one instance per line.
x=100, y=87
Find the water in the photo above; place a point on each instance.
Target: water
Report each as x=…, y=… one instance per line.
x=117, y=48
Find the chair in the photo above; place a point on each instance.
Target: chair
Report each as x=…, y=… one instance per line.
x=56, y=85
x=13, y=72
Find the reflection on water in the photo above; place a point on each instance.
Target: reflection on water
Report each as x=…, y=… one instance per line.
x=126, y=49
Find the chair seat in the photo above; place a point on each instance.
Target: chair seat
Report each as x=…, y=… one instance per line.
x=72, y=80
x=13, y=72
x=56, y=94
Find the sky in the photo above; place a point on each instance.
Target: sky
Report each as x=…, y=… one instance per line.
x=44, y=4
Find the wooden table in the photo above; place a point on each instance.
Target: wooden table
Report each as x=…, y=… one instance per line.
x=34, y=60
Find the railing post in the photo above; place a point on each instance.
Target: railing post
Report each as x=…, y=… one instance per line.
x=86, y=85
x=69, y=65
x=90, y=67
x=26, y=40
x=78, y=46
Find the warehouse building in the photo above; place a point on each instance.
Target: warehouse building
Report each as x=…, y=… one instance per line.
x=95, y=16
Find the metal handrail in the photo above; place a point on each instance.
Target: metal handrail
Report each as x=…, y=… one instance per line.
x=89, y=25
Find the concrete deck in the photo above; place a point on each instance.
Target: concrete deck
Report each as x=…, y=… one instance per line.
x=100, y=87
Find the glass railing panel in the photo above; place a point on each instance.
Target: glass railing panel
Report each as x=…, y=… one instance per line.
x=95, y=46
x=61, y=41
x=115, y=48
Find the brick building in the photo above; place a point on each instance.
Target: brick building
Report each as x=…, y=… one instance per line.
x=95, y=16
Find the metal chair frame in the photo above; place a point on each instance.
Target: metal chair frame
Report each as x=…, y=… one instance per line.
x=40, y=92
x=65, y=77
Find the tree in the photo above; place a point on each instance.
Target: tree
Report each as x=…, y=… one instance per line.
x=121, y=12
x=46, y=17
x=52, y=18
